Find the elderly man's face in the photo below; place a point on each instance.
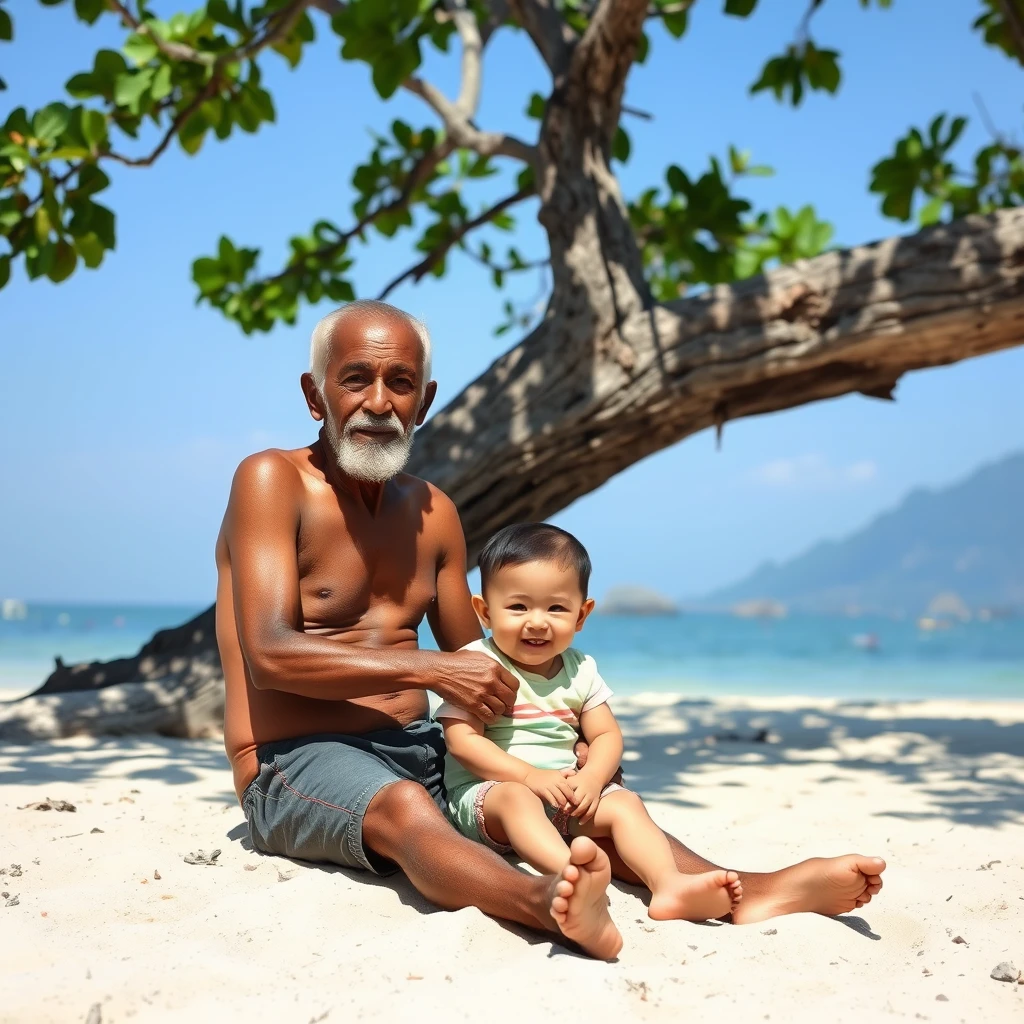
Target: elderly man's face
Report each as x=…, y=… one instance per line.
x=373, y=397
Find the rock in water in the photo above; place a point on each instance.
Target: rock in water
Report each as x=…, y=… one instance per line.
x=1005, y=972
x=630, y=600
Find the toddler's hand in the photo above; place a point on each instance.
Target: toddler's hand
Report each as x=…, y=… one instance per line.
x=586, y=795
x=551, y=786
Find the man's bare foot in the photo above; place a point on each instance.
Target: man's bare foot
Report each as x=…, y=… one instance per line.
x=696, y=897
x=821, y=885
x=579, y=905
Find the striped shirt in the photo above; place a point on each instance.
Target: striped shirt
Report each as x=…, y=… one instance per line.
x=544, y=725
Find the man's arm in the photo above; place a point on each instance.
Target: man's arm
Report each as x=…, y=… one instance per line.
x=452, y=619
x=261, y=526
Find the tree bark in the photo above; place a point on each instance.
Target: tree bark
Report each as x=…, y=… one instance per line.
x=586, y=394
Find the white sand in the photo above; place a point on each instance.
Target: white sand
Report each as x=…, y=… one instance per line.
x=937, y=788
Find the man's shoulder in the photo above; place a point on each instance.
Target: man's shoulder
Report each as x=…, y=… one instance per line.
x=267, y=471
x=271, y=465
x=434, y=498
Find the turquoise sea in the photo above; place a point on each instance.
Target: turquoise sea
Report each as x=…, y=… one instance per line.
x=693, y=654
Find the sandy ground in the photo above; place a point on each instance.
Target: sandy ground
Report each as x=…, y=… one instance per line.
x=936, y=788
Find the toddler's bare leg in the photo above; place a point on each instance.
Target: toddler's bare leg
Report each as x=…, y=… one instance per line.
x=644, y=848
x=516, y=817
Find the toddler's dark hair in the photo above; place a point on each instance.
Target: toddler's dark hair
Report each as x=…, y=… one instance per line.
x=534, y=542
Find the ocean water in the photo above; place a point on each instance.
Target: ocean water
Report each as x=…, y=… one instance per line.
x=695, y=655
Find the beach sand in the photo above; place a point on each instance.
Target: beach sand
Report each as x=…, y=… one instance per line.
x=937, y=788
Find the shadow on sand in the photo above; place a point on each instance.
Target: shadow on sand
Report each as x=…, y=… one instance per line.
x=669, y=742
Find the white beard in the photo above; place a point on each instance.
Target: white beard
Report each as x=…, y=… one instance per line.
x=372, y=461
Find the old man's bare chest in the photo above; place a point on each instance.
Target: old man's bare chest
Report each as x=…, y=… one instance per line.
x=358, y=570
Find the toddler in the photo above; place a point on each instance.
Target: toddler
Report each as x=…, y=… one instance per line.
x=514, y=784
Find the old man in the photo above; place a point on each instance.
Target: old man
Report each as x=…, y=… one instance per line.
x=328, y=559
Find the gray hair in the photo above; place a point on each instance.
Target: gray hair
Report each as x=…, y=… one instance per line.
x=320, y=343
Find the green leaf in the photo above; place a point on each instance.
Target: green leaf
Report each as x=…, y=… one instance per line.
x=222, y=14
x=643, y=48
x=131, y=87
x=677, y=22
x=94, y=127
x=50, y=122
x=394, y=66
x=402, y=133
x=620, y=145
x=89, y=10
x=931, y=211
x=162, y=85
x=65, y=259
x=90, y=181
x=822, y=67
x=192, y=133
x=91, y=249
x=208, y=275
x=6, y=32
x=536, y=107
x=140, y=49
x=740, y=8
x=5, y=270
x=677, y=180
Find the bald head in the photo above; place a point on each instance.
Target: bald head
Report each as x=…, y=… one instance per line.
x=367, y=310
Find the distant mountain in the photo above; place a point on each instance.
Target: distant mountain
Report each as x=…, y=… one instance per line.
x=966, y=540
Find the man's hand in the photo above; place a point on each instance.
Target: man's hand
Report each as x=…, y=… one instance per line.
x=586, y=795
x=478, y=684
x=581, y=750
x=551, y=786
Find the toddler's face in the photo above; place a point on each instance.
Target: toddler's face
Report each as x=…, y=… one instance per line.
x=533, y=611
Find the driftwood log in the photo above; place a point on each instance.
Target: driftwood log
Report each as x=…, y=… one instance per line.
x=174, y=686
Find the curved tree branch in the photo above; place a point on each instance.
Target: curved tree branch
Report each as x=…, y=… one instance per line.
x=472, y=52
x=603, y=57
x=417, y=176
x=431, y=259
x=464, y=134
x=544, y=24
x=559, y=415
x=279, y=25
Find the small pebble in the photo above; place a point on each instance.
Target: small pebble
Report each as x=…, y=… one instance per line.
x=156, y=876
x=940, y=998
x=1005, y=972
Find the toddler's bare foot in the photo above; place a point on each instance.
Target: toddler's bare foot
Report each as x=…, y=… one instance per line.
x=696, y=897
x=821, y=885
x=578, y=902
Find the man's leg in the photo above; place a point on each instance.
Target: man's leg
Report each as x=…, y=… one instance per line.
x=821, y=885
x=403, y=824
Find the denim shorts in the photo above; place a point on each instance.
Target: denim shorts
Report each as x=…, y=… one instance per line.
x=310, y=794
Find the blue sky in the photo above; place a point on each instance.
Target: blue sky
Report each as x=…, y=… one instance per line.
x=124, y=408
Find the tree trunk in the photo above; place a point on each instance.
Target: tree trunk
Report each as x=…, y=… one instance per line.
x=609, y=377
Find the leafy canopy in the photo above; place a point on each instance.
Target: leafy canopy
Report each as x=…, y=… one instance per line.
x=196, y=76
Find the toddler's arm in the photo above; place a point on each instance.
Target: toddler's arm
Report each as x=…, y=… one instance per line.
x=605, y=738
x=602, y=733
x=485, y=759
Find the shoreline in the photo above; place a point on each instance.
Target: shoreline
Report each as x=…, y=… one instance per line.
x=935, y=787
